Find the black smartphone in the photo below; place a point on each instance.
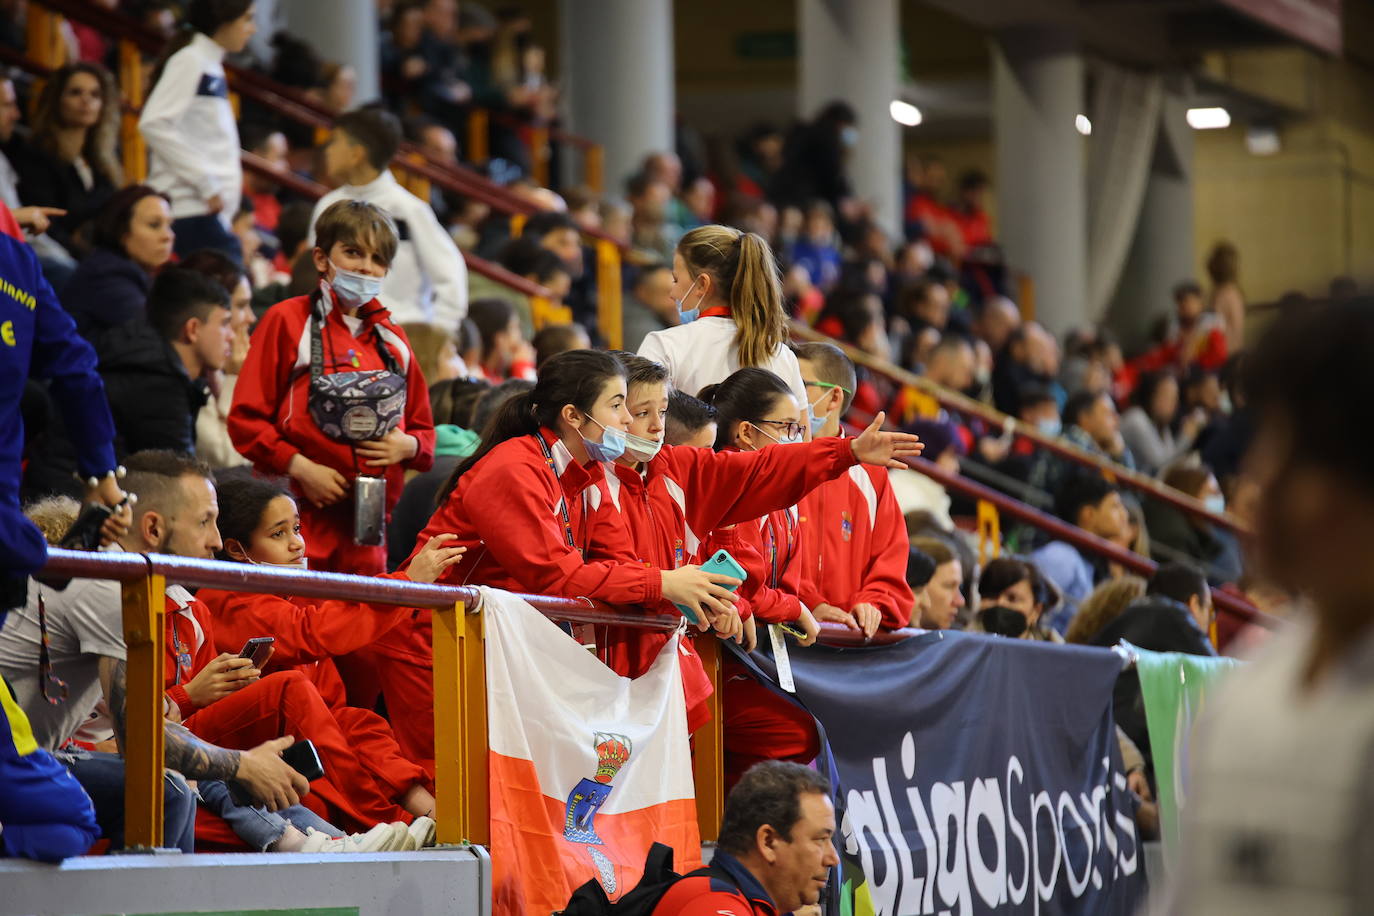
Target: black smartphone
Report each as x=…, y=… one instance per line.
x=258, y=649
x=303, y=758
x=84, y=534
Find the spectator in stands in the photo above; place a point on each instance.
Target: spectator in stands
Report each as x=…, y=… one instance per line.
x=270, y=421
x=1147, y=427
x=212, y=434
x=189, y=125
x=558, y=233
x=435, y=350
x=1196, y=337
x=1175, y=534
x=975, y=228
x=338, y=86
x=70, y=161
x=851, y=527
x=155, y=370
x=1017, y=585
x=759, y=154
x=816, y=251
x=922, y=315
x=650, y=306
x=920, y=569
x=401, y=61
x=691, y=421
x=428, y=279
x=1290, y=724
x=1088, y=501
x=133, y=239
x=1092, y=424
x=650, y=230
x=944, y=591
x=776, y=847
x=262, y=191
x=558, y=338
x=815, y=160
x=994, y=322
x=443, y=85
x=526, y=257
x=1031, y=357
x=952, y=363
x=57, y=262
x=441, y=148
x=1039, y=410
x=917, y=492
x=505, y=352
x=726, y=284
x=1226, y=300
x=1106, y=603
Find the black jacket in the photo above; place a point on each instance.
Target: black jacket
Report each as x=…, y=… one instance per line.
x=1160, y=625
x=107, y=290
x=153, y=401
x=46, y=181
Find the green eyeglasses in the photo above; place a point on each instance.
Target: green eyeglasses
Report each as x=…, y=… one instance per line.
x=828, y=385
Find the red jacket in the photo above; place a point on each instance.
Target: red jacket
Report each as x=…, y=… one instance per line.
x=269, y=422
x=189, y=645
x=682, y=494
x=769, y=549
x=729, y=889
x=854, y=546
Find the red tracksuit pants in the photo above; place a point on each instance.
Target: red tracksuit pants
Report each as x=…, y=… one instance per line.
x=287, y=703
x=760, y=725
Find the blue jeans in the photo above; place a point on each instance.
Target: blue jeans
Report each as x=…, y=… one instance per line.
x=196, y=232
x=256, y=826
x=102, y=776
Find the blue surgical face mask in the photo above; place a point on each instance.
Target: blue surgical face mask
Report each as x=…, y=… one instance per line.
x=611, y=446
x=641, y=449
x=1216, y=503
x=687, y=316
x=1050, y=426
x=354, y=289
x=849, y=136
x=817, y=423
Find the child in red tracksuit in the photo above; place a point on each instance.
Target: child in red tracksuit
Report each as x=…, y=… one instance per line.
x=522, y=505
x=259, y=524
x=853, y=537
x=271, y=421
x=660, y=497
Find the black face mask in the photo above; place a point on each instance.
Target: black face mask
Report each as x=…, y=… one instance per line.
x=1003, y=621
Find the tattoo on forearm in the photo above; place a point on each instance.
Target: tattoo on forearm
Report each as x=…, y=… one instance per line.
x=184, y=751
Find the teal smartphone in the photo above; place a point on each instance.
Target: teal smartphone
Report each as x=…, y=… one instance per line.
x=720, y=563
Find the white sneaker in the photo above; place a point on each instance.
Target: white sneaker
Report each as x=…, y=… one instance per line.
x=378, y=839
x=405, y=841
x=315, y=841
x=421, y=830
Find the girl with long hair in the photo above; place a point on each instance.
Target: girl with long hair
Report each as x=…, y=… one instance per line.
x=727, y=285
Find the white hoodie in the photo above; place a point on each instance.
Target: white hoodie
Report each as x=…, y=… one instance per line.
x=193, y=141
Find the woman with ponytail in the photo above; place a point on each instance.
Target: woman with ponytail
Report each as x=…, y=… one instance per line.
x=188, y=123
x=727, y=287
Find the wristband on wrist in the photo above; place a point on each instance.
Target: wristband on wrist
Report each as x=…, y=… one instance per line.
x=93, y=482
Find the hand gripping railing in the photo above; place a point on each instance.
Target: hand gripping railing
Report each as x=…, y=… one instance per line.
x=962, y=404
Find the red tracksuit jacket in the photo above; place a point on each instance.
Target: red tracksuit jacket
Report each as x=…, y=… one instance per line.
x=683, y=494
x=269, y=422
x=854, y=546
x=190, y=645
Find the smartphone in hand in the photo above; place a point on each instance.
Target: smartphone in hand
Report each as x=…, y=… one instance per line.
x=258, y=650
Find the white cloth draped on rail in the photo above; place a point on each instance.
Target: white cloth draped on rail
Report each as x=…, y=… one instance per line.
x=1125, y=113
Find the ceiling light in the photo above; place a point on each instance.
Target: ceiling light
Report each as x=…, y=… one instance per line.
x=1084, y=126
x=905, y=113
x=1208, y=118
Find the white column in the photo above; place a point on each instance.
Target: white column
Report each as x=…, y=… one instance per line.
x=848, y=51
x=616, y=62
x=1162, y=253
x=1037, y=91
x=341, y=30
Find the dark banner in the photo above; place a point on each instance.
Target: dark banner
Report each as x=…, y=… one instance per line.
x=976, y=775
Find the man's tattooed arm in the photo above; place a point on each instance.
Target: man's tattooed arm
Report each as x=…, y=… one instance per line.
x=185, y=753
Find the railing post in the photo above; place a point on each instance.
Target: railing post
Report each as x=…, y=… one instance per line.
x=478, y=129
x=460, y=727
x=608, y=293
x=131, y=81
x=989, y=532
x=145, y=605
x=539, y=155
x=593, y=167
x=44, y=37
x=517, y=225
x=708, y=758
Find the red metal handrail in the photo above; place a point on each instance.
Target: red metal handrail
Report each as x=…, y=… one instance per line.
x=960, y=403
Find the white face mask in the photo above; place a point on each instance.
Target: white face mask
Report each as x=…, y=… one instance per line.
x=1216, y=503
x=641, y=449
x=302, y=563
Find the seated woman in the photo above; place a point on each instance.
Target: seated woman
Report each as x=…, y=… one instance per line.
x=70, y=161
x=1009, y=584
x=133, y=238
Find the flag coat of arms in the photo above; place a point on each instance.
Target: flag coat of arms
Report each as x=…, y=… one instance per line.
x=587, y=768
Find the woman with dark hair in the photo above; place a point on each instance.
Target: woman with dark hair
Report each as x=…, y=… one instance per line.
x=1147, y=426
x=1007, y=583
x=70, y=160
x=193, y=139
x=133, y=239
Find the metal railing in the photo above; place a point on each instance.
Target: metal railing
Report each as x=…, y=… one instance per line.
x=962, y=404
x=133, y=39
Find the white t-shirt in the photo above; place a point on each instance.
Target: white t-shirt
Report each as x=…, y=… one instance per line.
x=1280, y=810
x=85, y=624
x=703, y=353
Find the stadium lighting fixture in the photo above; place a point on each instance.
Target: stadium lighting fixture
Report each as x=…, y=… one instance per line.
x=905, y=113
x=1208, y=118
x=1084, y=126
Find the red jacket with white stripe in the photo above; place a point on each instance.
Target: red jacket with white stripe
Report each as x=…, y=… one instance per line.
x=854, y=546
x=683, y=494
x=269, y=422
x=769, y=549
x=188, y=645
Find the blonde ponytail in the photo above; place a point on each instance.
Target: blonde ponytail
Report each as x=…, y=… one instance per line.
x=746, y=275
